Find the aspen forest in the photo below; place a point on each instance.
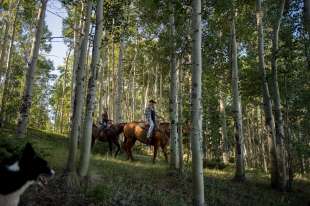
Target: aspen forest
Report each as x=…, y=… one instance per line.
x=158, y=102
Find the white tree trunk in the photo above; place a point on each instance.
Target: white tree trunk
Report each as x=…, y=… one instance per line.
x=119, y=85
x=307, y=29
x=279, y=124
x=78, y=27
x=4, y=46
x=224, y=144
x=64, y=86
x=266, y=97
x=91, y=93
x=175, y=162
x=78, y=94
x=102, y=94
x=236, y=108
x=27, y=96
x=196, y=108
x=180, y=118
x=133, y=89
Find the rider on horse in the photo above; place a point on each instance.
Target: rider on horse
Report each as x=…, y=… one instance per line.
x=104, y=119
x=150, y=117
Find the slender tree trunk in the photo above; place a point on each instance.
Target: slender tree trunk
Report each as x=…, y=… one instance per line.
x=27, y=97
x=102, y=93
x=113, y=84
x=237, y=110
x=160, y=88
x=156, y=80
x=7, y=74
x=146, y=93
x=280, y=149
x=119, y=85
x=307, y=30
x=63, y=91
x=175, y=162
x=78, y=27
x=109, y=85
x=91, y=93
x=4, y=46
x=133, y=94
x=307, y=15
x=3, y=33
x=180, y=118
x=259, y=128
x=224, y=129
x=78, y=98
x=56, y=116
x=266, y=97
x=205, y=135
x=289, y=141
x=196, y=109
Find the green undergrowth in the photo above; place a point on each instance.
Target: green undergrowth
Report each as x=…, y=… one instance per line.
x=116, y=181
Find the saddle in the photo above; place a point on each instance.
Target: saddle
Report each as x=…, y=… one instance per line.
x=146, y=127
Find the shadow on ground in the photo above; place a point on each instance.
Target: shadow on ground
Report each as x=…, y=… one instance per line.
x=116, y=181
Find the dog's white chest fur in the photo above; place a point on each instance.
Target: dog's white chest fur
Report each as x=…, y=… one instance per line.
x=12, y=199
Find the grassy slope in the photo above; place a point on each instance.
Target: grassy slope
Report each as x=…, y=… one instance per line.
x=120, y=182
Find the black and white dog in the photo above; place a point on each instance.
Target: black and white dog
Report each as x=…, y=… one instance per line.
x=17, y=177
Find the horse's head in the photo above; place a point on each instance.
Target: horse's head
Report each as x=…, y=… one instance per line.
x=120, y=127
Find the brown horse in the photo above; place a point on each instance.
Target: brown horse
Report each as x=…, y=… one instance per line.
x=165, y=127
x=110, y=135
x=134, y=131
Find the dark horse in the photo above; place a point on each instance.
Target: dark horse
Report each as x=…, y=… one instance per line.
x=109, y=135
x=134, y=131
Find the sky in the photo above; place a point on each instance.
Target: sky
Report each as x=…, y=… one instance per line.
x=55, y=14
x=53, y=20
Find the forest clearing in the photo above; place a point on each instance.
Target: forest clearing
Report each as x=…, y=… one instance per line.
x=116, y=181
x=154, y=102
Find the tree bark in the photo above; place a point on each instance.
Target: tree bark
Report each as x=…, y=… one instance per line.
x=196, y=109
x=307, y=14
x=27, y=96
x=119, y=85
x=180, y=118
x=175, y=162
x=4, y=46
x=63, y=91
x=78, y=95
x=279, y=125
x=91, y=96
x=102, y=93
x=236, y=108
x=266, y=97
x=78, y=27
x=307, y=30
x=224, y=144
x=133, y=89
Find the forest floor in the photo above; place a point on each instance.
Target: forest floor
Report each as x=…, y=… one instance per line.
x=116, y=181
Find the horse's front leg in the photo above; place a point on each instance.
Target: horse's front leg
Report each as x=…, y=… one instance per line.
x=93, y=141
x=129, y=144
x=155, y=153
x=118, y=146
x=164, y=149
x=110, y=147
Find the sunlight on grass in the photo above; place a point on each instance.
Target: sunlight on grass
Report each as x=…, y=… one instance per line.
x=117, y=181
x=141, y=162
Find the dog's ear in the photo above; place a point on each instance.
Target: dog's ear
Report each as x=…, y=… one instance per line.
x=28, y=151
